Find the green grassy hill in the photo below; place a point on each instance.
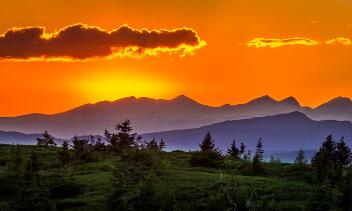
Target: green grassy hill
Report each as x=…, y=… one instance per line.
x=282, y=187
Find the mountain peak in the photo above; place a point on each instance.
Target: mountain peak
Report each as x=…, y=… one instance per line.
x=262, y=100
x=291, y=100
x=182, y=98
x=340, y=100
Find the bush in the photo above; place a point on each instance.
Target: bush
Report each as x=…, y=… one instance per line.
x=63, y=187
x=210, y=159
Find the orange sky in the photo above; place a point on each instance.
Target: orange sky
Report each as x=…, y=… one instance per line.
x=226, y=70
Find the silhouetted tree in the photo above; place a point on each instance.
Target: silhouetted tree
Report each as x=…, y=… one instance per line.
x=99, y=145
x=207, y=145
x=81, y=149
x=64, y=154
x=208, y=156
x=242, y=149
x=152, y=145
x=257, y=161
x=300, y=158
x=162, y=145
x=324, y=162
x=46, y=140
x=233, y=151
x=342, y=156
x=274, y=160
x=123, y=139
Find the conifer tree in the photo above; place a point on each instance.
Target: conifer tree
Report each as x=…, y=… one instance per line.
x=257, y=161
x=324, y=162
x=300, y=158
x=46, y=140
x=64, y=154
x=343, y=157
x=162, y=145
x=207, y=145
x=233, y=151
x=208, y=156
x=242, y=149
x=124, y=138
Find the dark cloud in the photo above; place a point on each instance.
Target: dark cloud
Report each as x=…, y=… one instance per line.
x=83, y=42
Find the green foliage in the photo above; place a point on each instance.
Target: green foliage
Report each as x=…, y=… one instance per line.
x=154, y=145
x=208, y=156
x=64, y=155
x=330, y=160
x=322, y=199
x=300, y=158
x=123, y=139
x=46, y=140
x=135, y=174
x=233, y=151
x=62, y=186
x=257, y=162
x=82, y=150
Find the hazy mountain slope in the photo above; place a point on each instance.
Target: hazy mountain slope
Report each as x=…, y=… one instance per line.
x=281, y=132
x=7, y=137
x=151, y=115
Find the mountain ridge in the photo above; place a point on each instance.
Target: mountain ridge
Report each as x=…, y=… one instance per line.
x=156, y=115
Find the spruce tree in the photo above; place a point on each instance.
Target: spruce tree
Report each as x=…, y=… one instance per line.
x=257, y=161
x=242, y=149
x=124, y=138
x=162, y=145
x=233, y=151
x=300, y=158
x=207, y=144
x=64, y=154
x=208, y=156
x=46, y=140
x=343, y=157
x=324, y=162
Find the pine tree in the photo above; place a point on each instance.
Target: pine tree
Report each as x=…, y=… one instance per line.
x=46, y=141
x=162, y=145
x=258, y=158
x=64, y=154
x=99, y=145
x=242, y=149
x=208, y=156
x=233, y=151
x=324, y=162
x=81, y=149
x=123, y=139
x=207, y=144
x=152, y=145
x=343, y=157
x=300, y=158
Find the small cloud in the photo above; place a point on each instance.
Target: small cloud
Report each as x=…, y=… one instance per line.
x=81, y=42
x=277, y=42
x=339, y=41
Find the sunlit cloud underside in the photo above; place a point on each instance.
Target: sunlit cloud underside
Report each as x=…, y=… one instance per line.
x=82, y=42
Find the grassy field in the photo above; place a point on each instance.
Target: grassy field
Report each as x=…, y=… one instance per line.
x=278, y=189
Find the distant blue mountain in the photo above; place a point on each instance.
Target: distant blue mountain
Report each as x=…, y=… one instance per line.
x=283, y=132
x=8, y=137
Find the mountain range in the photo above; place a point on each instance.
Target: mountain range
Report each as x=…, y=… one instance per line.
x=156, y=115
x=282, y=132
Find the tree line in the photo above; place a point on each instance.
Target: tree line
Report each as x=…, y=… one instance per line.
x=140, y=166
